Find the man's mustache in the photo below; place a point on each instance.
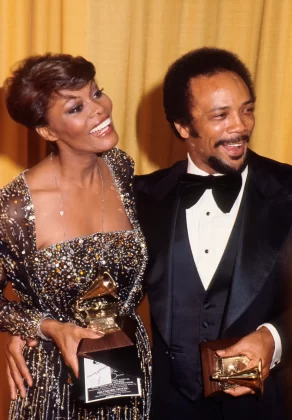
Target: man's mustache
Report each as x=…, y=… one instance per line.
x=237, y=139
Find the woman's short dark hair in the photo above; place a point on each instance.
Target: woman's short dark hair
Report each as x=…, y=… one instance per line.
x=38, y=79
x=201, y=62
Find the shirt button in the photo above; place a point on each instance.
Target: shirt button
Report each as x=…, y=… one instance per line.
x=206, y=305
x=205, y=324
x=204, y=340
x=208, y=213
x=206, y=251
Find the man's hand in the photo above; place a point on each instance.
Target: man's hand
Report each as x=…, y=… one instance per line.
x=17, y=370
x=257, y=345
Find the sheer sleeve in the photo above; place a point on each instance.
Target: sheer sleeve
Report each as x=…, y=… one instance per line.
x=19, y=318
x=124, y=165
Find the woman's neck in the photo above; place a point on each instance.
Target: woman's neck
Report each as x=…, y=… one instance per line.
x=80, y=170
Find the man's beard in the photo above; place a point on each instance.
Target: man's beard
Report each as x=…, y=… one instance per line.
x=222, y=167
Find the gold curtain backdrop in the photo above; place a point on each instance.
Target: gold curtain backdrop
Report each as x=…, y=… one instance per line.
x=132, y=43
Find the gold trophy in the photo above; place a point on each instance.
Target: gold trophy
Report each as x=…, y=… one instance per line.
x=220, y=373
x=232, y=372
x=114, y=352
x=98, y=307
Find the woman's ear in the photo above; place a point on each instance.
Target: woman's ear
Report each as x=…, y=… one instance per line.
x=46, y=133
x=183, y=130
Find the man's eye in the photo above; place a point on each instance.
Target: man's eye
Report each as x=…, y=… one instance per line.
x=218, y=116
x=75, y=109
x=98, y=93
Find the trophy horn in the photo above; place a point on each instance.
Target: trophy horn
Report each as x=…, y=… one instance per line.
x=104, y=285
x=251, y=378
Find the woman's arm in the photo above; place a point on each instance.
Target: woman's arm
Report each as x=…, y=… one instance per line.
x=18, y=318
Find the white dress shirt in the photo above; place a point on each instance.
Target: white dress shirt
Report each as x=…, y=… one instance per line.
x=209, y=230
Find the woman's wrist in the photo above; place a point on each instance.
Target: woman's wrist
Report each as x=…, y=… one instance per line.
x=45, y=326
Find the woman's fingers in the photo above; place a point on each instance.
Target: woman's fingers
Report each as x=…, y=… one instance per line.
x=85, y=333
x=67, y=337
x=89, y=333
x=11, y=383
x=72, y=362
x=69, y=351
x=15, y=380
x=31, y=342
x=16, y=362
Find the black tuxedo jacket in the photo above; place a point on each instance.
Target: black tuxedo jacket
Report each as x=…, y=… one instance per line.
x=261, y=275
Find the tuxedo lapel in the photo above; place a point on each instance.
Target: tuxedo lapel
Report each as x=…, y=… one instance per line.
x=160, y=282
x=157, y=218
x=266, y=223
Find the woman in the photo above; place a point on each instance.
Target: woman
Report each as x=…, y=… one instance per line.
x=63, y=223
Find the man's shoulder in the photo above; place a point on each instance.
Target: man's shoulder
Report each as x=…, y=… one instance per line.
x=268, y=163
x=273, y=178
x=152, y=179
x=270, y=167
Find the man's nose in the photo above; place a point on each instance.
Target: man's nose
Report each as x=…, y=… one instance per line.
x=236, y=124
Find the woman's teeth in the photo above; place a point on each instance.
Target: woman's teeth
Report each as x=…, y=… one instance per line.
x=101, y=127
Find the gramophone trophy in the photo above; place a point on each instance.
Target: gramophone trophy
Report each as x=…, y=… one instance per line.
x=109, y=366
x=220, y=373
x=229, y=374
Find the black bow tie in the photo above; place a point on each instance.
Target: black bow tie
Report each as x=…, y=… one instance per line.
x=225, y=189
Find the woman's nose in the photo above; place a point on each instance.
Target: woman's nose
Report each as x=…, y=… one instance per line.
x=96, y=108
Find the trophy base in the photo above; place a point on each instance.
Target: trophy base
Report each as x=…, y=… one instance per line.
x=123, y=336
x=113, y=358
x=210, y=363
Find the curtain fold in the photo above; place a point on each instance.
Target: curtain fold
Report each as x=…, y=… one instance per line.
x=132, y=43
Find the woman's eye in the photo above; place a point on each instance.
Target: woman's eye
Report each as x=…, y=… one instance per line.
x=98, y=93
x=75, y=109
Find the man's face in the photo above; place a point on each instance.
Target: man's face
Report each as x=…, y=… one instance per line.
x=223, y=120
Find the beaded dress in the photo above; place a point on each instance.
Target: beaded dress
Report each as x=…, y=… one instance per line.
x=49, y=281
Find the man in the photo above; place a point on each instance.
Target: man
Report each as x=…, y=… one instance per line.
x=216, y=266
x=216, y=260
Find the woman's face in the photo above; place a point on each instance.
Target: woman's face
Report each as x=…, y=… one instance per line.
x=81, y=120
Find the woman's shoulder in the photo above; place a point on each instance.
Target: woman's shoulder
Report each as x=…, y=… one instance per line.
x=15, y=188
x=119, y=157
x=121, y=164
x=14, y=196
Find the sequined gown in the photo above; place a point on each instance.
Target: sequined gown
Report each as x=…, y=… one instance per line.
x=49, y=280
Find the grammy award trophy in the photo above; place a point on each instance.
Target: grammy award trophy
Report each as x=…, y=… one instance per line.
x=109, y=366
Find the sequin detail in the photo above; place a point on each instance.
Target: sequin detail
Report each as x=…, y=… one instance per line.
x=46, y=282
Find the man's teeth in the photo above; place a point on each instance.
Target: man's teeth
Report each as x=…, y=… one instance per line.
x=101, y=126
x=235, y=144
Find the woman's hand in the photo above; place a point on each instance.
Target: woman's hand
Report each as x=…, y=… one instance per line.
x=67, y=336
x=17, y=370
